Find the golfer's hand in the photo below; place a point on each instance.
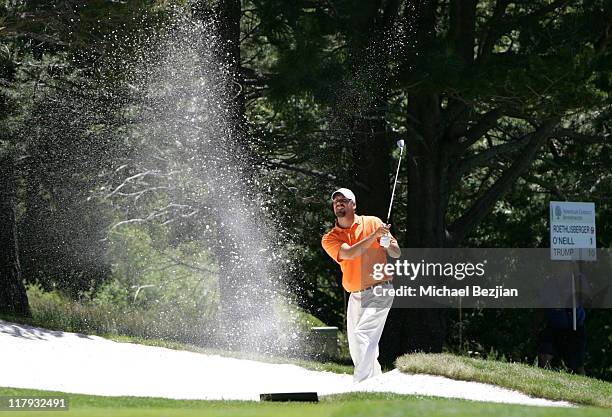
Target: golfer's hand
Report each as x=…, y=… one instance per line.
x=382, y=230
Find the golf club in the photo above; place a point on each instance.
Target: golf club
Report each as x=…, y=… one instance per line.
x=385, y=241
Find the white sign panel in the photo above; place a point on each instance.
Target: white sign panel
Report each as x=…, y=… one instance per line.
x=572, y=231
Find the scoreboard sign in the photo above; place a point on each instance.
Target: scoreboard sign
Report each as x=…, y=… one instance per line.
x=572, y=231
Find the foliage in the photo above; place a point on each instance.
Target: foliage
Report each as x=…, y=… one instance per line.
x=312, y=72
x=516, y=376
x=55, y=311
x=513, y=335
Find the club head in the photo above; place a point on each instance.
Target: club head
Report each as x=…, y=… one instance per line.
x=400, y=143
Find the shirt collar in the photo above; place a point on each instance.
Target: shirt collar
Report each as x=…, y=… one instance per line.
x=356, y=220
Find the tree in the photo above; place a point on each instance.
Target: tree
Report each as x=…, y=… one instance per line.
x=13, y=298
x=62, y=124
x=476, y=88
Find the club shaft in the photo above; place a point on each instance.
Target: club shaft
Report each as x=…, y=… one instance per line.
x=394, y=184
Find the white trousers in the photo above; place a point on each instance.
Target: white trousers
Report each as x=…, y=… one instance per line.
x=365, y=319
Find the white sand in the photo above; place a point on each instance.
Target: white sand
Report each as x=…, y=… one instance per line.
x=68, y=362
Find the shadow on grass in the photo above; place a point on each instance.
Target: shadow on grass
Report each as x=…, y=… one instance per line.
x=30, y=332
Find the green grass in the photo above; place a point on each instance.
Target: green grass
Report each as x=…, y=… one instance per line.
x=524, y=378
x=349, y=405
x=533, y=381
x=537, y=382
x=55, y=315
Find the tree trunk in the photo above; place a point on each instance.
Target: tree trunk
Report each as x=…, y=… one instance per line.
x=430, y=155
x=243, y=305
x=229, y=14
x=13, y=298
x=410, y=330
x=371, y=146
x=371, y=161
x=420, y=329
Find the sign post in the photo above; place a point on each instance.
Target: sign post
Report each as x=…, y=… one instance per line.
x=572, y=236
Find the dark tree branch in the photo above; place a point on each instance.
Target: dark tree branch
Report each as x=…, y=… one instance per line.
x=486, y=122
x=463, y=27
x=485, y=49
x=483, y=205
x=198, y=268
x=252, y=77
x=484, y=156
x=551, y=188
x=603, y=42
x=41, y=37
x=500, y=24
x=275, y=163
x=332, y=179
x=581, y=137
x=455, y=109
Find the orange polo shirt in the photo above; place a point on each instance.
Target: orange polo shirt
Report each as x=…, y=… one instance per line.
x=356, y=273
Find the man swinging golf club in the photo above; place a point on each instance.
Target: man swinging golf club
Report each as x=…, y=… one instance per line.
x=357, y=243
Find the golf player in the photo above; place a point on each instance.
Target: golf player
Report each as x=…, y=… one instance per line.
x=355, y=244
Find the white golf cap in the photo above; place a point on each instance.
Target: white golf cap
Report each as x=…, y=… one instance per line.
x=346, y=193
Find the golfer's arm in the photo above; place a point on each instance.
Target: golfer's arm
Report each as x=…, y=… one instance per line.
x=394, y=250
x=351, y=252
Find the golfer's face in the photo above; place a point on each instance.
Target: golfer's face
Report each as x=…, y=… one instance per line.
x=343, y=206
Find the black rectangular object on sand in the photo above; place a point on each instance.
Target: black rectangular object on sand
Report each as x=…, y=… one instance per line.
x=290, y=396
